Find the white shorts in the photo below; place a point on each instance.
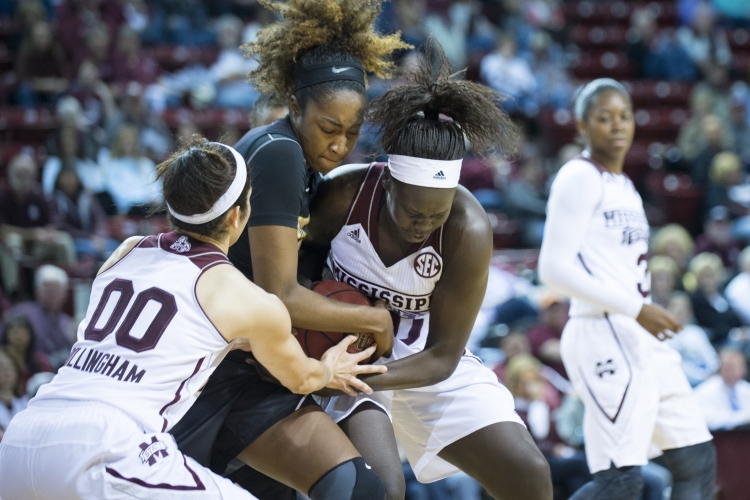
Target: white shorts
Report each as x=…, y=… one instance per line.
x=637, y=398
x=84, y=450
x=427, y=419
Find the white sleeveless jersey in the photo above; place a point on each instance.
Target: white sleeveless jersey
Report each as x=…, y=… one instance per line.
x=406, y=286
x=145, y=345
x=615, y=249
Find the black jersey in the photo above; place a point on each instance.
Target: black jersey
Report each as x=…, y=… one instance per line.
x=282, y=184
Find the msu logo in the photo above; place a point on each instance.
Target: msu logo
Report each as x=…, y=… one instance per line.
x=427, y=265
x=149, y=451
x=182, y=245
x=605, y=368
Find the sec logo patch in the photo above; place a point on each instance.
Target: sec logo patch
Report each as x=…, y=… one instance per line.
x=427, y=265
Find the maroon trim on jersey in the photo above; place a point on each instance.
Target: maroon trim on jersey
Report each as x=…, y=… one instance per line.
x=580, y=257
x=199, y=252
x=360, y=210
x=354, y=204
x=149, y=242
x=593, y=162
x=163, y=486
x=177, y=395
x=630, y=370
x=195, y=295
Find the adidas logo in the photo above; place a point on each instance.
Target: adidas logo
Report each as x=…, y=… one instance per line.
x=354, y=235
x=439, y=176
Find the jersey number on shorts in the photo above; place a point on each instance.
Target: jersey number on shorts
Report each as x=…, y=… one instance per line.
x=416, y=327
x=155, y=329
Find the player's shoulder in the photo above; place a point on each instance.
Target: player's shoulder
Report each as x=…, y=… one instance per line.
x=121, y=251
x=468, y=221
x=230, y=299
x=581, y=167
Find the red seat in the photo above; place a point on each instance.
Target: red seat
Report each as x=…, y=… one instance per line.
x=591, y=65
x=733, y=463
x=599, y=37
x=27, y=126
x=175, y=57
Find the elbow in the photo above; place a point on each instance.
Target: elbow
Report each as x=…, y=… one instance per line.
x=442, y=368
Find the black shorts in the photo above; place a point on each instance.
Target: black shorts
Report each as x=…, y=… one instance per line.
x=236, y=406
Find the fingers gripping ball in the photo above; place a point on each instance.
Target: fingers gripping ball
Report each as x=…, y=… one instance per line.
x=315, y=343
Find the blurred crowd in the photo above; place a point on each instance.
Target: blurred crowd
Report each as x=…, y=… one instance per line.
x=123, y=81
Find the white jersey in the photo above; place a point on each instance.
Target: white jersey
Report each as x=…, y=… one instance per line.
x=596, y=241
x=145, y=346
x=406, y=286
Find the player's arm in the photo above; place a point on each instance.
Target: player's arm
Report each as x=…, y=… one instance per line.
x=467, y=250
x=241, y=310
x=576, y=192
x=124, y=248
x=272, y=233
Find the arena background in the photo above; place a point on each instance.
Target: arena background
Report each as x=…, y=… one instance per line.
x=107, y=88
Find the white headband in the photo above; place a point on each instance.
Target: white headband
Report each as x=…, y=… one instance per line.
x=226, y=200
x=424, y=172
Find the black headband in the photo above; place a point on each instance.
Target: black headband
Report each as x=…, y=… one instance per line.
x=328, y=72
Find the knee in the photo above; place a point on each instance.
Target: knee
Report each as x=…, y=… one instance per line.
x=351, y=480
x=395, y=487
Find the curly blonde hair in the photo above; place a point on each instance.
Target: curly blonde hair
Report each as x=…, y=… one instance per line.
x=337, y=28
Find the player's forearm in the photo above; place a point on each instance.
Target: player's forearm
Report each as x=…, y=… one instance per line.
x=569, y=279
x=422, y=369
x=313, y=311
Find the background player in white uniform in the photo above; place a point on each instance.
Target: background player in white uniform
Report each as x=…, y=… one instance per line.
x=639, y=404
x=407, y=234
x=163, y=314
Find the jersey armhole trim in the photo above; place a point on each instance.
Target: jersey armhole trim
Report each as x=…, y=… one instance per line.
x=122, y=258
x=197, y=302
x=359, y=192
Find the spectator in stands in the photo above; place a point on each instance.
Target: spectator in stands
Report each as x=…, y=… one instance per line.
x=726, y=173
x=717, y=237
x=136, y=15
x=26, y=223
x=134, y=63
x=178, y=22
x=657, y=55
x=98, y=49
x=527, y=385
x=450, y=26
x=41, y=67
x=97, y=103
x=664, y=275
x=716, y=137
x=54, y=329
x=549, y=67
x=725, y=397
x=155, y=138
x=740, y=129
x=699, y=358
x=527, y=197
x=506, y=72
x=711, y=308
x=675, y=242
x=705, y=43
x=74, y=145
x=10, y=402
x=78, y=212
x=267, y=109
x=692, y=139
x=76, y=17
x=130, y=175
x=544, y=337
x=17, y=343
x=229, y=73
x=738, y=290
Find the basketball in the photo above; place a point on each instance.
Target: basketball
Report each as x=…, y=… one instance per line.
x=315, y=343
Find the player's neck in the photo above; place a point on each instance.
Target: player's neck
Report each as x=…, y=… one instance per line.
x=222, y=244
x=613, y=164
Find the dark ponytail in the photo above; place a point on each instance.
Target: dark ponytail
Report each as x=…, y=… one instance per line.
x=409, y=117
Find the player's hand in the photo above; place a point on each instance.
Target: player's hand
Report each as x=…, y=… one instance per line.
x=384, y=335
x=658, y=321
x=344, y=367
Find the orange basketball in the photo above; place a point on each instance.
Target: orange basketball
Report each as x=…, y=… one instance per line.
x=315, y=343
